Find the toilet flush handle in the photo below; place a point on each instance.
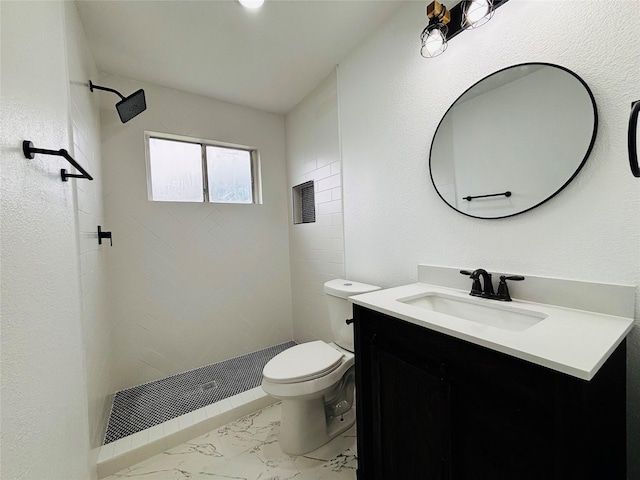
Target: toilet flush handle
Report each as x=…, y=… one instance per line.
x=349, y=321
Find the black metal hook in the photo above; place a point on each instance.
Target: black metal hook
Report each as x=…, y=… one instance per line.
x=102, y=235
x=29, y=152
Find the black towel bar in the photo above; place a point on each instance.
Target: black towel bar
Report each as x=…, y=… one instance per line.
x=29, y=152
x=469, y=197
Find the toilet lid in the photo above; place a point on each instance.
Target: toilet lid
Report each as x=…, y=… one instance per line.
x=303, y=362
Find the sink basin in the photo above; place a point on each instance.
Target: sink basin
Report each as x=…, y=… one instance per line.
x=485, y=312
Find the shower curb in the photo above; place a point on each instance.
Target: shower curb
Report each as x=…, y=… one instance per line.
x=140, y=446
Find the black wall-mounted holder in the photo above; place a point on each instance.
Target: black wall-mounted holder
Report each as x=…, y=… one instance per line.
x=30, y=152
x=105, y=235
x=633, y=147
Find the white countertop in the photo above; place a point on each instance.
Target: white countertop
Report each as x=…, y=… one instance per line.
x=574, y=342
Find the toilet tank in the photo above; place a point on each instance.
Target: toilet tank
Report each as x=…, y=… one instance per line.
x=340, y=309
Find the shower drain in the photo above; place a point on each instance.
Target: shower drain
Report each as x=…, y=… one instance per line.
x=208, y=386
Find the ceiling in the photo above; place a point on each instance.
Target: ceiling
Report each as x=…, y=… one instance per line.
x=269, y=58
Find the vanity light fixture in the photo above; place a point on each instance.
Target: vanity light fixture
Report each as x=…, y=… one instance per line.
x=434, y=36
x=476, y=13
x=445, y=23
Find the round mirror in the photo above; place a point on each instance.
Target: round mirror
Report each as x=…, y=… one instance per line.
x=513, y=140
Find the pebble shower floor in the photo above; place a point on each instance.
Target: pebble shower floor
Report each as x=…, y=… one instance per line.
x=144, y=406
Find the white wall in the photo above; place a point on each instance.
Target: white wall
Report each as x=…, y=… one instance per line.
x=85, y=129
x=391, y=101
x=191, y=283
x=317, y=249
x=44, y=399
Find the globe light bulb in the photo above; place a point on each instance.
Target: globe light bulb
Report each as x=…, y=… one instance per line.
x=433, y=44
x=477, y=13
x=251, y=3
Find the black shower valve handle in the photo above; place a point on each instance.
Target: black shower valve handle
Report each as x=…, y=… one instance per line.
x=102, y=234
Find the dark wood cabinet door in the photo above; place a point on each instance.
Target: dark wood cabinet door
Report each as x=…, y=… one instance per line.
x=411, y=413
x=485, y=416
x=498, y=436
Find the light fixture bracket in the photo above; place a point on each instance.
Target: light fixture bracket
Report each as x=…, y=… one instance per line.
x=438, y=13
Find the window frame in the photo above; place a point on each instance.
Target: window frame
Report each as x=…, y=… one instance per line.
x=254, y=157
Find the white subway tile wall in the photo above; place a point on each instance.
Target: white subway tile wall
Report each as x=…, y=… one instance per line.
x=190, y=283
x=96, y=325
x=317, y=252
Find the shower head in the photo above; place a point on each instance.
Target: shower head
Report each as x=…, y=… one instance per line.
x=131, y=106
x=128, y=107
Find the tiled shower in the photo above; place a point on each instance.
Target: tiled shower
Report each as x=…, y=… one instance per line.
x=153, y=403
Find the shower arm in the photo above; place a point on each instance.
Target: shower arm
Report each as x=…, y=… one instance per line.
x=106, y=89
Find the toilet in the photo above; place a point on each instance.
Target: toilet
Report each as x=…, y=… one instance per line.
x=315, y=381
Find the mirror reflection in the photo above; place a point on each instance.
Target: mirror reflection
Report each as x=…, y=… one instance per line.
x=513, y=140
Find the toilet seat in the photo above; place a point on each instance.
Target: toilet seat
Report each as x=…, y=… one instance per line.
x=303, y=362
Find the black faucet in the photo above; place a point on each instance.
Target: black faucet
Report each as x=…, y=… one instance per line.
x=486, y=281
x=477, y=289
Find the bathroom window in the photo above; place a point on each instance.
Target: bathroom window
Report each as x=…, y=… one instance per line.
x=184, y=169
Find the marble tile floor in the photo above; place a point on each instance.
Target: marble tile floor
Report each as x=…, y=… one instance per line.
x=248, y=449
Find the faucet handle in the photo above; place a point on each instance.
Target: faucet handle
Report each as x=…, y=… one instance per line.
x=476, y=287
x=503, y=289
x=512, y=277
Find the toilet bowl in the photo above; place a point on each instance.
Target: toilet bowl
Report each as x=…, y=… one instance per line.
x=315, y=380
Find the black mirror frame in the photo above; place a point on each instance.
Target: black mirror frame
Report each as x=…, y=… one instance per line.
x=631, y=139
x=586, y=156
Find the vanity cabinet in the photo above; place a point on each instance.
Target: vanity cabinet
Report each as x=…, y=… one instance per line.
x=434, y=407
